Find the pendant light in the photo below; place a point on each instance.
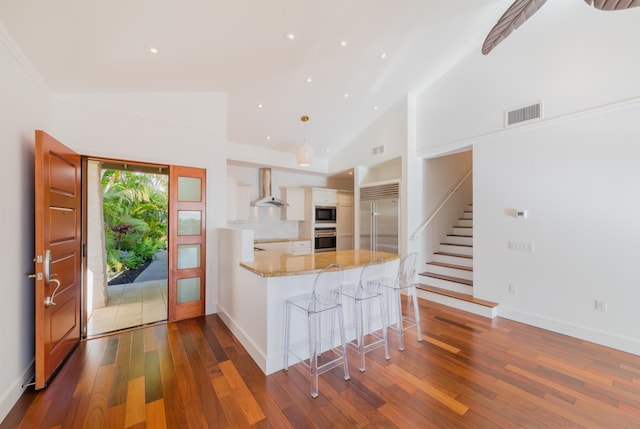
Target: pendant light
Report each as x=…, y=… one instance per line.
x=304, y=152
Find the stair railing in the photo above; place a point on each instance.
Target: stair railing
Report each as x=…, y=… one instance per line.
x=424, y=224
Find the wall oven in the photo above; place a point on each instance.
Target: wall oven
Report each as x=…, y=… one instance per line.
x=325, y=240
x=325, y=214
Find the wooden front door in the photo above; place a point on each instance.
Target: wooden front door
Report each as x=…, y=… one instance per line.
x=187, y=242
x=58, y=255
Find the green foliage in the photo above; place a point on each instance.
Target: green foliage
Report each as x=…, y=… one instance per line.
x=135, y=217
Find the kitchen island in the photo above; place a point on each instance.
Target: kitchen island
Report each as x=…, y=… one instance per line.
x=252, y=293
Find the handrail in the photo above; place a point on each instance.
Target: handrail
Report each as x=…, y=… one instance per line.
x=424, y=224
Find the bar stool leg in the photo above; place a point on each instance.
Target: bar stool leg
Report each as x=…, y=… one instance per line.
x=385, y=324
x=343, y=340
x=398, y=301
x=313, y=353
x=360, y=334
x=416, y=310
x=287, y=317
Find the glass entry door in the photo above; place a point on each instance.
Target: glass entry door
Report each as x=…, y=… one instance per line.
x=187, y=242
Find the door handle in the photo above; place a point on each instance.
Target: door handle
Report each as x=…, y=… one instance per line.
x=48, y=265
x=48, y=302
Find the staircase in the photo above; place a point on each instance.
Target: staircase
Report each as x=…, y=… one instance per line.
x=449, y=276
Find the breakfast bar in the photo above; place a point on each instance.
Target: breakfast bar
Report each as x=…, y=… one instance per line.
x=251, y=299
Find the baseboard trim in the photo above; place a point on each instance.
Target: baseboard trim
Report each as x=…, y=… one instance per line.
x=254, y=351
x=15, y=390
x=587, y=334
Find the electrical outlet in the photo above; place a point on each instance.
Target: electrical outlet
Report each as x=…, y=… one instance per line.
x=600, y=305
x=513, y=289
x=521, y=246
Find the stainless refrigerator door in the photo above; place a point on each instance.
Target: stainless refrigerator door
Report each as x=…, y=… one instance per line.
x=386, y=225
x=366, y=224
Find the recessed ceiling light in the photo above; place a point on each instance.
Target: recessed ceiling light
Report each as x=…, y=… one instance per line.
x=383, y=55
x=290, y=36
x=309, y=79
x=328, y=150
x=346, y=95
x=375, y=107
x=260, y=106
x=268, y=137
x=343, y=43
x=152, y=50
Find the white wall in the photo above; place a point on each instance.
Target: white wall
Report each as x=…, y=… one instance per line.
x=569, y=56
x=24, y=107
x=576, y=171
x=578, y=179
x=389, y=130
x=181, y=129
x=266, y=222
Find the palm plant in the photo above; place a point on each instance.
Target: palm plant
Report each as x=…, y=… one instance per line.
x=135, y=217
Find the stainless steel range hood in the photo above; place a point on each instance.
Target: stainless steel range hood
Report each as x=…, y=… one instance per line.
x=265, y=199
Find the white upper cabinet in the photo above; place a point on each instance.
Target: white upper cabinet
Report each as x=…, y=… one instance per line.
x=295, y=198
x=324, y=197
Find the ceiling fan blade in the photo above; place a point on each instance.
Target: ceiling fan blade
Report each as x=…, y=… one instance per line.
x=613, y=4
x=516, y=15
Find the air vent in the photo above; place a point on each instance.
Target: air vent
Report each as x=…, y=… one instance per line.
x=390, y=190
x=523, y=114
x=377, y=150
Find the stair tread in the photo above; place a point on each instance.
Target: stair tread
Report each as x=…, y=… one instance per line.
x=458, y=255
x=448, y=278
x=462, y=226
x=455, y=244
x=457, y=267
x=457, y=295
x=459, y=235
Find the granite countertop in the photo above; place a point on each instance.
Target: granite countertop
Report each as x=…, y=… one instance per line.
x=276, y=264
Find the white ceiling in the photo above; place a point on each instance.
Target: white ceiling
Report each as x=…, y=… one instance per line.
x=239, y=47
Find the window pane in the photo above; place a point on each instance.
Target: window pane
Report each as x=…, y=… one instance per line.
x=189, y=189
x=189, y=222
x=188, y=256
x=188, y=290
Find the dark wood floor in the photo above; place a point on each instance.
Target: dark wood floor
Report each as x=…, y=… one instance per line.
x=470, y=372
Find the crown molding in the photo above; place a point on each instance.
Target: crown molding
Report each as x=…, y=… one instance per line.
x=15, y=51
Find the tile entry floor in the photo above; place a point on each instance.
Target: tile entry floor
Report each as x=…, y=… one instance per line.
x=130, y=305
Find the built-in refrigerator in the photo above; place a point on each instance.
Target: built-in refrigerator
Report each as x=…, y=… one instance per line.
x=379, y=207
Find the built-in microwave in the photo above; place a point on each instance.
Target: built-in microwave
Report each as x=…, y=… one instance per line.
x=325, y=214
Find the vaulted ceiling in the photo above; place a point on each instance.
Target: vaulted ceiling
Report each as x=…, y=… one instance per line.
x=341, y=62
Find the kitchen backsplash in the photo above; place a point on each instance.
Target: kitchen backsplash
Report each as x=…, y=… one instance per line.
x=267, y=224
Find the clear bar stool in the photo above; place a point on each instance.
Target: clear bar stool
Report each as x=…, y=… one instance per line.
x=367, y=290
x=323, y=299
x=404, y=282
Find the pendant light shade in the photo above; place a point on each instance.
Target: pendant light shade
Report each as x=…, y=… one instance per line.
x=304, y=154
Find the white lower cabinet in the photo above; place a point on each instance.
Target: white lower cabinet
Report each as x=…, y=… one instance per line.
x=285, y=246
x=301, y=247
x=294, y=247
